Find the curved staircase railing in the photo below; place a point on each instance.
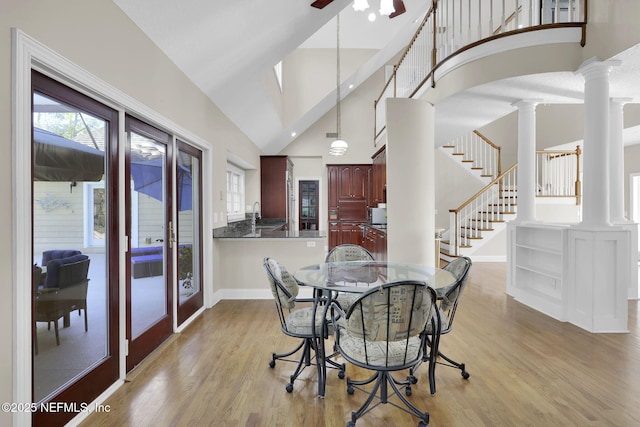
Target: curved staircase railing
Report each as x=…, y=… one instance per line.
x=452, y=26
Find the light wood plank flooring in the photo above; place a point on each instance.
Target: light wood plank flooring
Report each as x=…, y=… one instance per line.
x=526, y=369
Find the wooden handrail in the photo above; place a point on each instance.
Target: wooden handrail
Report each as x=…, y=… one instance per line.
x=508, y=20
x=484, y=189
x=435, y=63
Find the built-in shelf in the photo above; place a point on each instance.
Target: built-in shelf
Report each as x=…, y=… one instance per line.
x=537, y=266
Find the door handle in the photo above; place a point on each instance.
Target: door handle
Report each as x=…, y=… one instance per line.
x=159, y=240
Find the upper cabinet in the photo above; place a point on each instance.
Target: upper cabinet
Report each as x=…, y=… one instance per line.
x=353, y=182
x=349, y=191
x=379, y=178
x=276, y=175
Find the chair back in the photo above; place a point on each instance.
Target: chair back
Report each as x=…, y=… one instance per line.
x=448, y=303
x=348, y=252
x=384, y=326
x=283, y=287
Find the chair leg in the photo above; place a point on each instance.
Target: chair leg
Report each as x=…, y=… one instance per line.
x=55, y=325
x=86, y=324
x=452, y=363
x=382, y=381
x=275, y=356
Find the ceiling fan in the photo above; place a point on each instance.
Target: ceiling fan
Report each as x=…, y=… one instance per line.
x=398, y=5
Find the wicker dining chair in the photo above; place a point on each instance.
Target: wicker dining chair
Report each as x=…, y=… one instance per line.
x=447, y=306
x=297, y=322
x=384, y=331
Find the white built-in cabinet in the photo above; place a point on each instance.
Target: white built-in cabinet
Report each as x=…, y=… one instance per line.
x=573, y=273
x=537, y=266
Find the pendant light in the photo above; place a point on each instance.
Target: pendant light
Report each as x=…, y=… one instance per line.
x=339, y=146
x=360, y=5
x=386, y=7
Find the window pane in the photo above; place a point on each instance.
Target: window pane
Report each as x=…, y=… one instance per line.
x=69, y=227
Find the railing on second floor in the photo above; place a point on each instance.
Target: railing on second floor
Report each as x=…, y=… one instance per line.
x=452, y=26
x=558, y=173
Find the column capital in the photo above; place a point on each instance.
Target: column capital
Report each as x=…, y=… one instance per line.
x=595, y=67
x=525, y=103
x=621, y=101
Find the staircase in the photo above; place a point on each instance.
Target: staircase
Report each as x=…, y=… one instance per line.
x=484, y=214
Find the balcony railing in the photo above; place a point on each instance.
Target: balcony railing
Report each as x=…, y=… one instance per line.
x=452, y=26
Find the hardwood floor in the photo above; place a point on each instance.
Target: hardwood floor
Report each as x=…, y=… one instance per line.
x=526, y=369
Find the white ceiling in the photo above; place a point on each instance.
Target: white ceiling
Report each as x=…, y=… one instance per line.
x=226, y=47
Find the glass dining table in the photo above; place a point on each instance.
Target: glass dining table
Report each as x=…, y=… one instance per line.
x=357, y=277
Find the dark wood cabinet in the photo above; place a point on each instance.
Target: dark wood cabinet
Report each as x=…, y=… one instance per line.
x=375, y=241
x=379, y=177
x=349, y=188
x=353, y=182
x=276, y=177
x=345, y=232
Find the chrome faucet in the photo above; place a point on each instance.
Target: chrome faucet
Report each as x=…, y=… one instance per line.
x=253, y=217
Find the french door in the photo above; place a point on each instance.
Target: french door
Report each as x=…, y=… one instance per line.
x=189, y=230
x=75, y=248
x=151, y=239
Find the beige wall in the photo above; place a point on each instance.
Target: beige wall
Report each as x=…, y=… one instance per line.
x=315, y=71
x=98, y=37
x=242, y=271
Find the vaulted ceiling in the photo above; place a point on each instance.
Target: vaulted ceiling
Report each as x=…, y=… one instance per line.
x=227, y=47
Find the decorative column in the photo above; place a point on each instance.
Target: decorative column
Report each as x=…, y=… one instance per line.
x=616, y=160
x=595, y=203
x=410, y=181
x=598, y=259
x=526, y=159
x=616, y=165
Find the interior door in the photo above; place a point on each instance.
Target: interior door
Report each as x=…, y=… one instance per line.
x=150, y=231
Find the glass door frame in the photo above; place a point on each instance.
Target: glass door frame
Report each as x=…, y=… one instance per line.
x=142, y=345
x=91, y=384
x=196, y=301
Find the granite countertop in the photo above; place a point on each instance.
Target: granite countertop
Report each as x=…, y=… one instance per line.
x=265, y=229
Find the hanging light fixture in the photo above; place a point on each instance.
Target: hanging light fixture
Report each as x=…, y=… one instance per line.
x=339, y=146
x=386, y=7
x=360, y=5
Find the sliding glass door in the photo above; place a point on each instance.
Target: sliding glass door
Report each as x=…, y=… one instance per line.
x=74, y=246
x=151, y=238
x=189, y=230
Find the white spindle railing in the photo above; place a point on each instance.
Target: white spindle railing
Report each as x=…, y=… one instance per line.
x=558, y=173
x=483, y=154
x=451, y=25
x=483, y=209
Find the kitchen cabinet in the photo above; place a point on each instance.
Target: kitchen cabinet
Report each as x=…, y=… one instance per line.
x=345, y=232
x=276, y=187
x=349, y=196
x=379, y=177
x=353, y=182
x=375, y=241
